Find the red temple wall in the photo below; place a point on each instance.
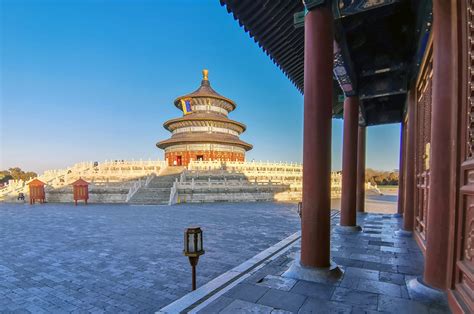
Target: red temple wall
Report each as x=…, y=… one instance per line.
x=186, y=156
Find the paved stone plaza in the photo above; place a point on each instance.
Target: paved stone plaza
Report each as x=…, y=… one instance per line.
x=61, y=258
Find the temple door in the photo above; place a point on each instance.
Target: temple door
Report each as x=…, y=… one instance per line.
x=422, y=149
x=463, y=264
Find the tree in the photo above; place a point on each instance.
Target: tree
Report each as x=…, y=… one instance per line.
x=5, y=176
x=16, y=174
x=381, y=177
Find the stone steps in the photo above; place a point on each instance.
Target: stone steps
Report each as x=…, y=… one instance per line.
x=158, y=189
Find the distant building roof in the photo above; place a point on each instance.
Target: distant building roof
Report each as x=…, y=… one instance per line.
x=80, y=182
x=36, y=182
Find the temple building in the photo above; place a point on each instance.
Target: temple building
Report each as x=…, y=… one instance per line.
x=204, y=132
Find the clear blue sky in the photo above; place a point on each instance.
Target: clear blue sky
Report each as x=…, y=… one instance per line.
x=89, y=80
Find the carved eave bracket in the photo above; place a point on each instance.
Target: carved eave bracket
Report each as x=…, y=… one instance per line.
x=343, y=69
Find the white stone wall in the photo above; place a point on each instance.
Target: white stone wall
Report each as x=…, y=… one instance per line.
x=94, y=173
x=204, y=181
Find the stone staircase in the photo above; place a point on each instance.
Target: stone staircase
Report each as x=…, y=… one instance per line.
x=158, y=189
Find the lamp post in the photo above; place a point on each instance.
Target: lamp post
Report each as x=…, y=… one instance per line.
x=193, y=248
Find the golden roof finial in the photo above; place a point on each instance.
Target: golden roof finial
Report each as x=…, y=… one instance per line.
x=204, y=74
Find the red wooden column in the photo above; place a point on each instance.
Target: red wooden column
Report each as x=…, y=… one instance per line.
x=318, y=65
x=409, y=184
x=401, y=170
x=441, y=175
x=360, y=203
x=349, y=162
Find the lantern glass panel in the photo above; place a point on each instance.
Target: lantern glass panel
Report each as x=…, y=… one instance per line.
x=186, y=242
x=191, y=246
x=199, y=241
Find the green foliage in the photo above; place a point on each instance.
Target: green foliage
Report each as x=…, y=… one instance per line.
x=381, y=177
x=16, y=174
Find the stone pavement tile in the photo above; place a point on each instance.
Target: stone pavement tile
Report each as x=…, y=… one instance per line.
x=277, y=282
x=394, y=249
x=361, y=273
x=282, y=300
x=79, y=311
x=390, y=277
x=398, y=305
x=380, y=266
x=21, y=311
x=246, y=292
x=437, y=309
x=379, y=287
x=365, y=257
x=381, y=243
x=350, y=282
x=239, y=306
x=355, y=297
x=405, y=294
x=257, y=276
x=35, y=309
x=313, y=289
x=217, y=305
x=347, y=262
x=403, y=261
x=413, y=270
x=313, y=305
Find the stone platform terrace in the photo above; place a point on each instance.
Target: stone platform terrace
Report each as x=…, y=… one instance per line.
x=124, y=258
x=378, y=268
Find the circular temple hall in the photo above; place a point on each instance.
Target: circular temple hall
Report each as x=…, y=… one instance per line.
x=204, y=132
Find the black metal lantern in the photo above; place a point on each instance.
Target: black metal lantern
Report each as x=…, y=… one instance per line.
x=193, y=242
x=193, y=248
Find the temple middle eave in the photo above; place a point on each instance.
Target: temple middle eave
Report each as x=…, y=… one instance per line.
x=204, y=119
x=204, y=138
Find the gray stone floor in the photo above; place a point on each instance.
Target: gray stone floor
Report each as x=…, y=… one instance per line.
x=61, y=258
x=377, y=267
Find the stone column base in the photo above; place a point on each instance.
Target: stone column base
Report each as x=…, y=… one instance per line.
x=418, y=290
x=329, y=274
x=347, y=229
x=403, y=233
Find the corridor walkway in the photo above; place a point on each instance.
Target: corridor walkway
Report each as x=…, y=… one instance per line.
x=378, y=268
